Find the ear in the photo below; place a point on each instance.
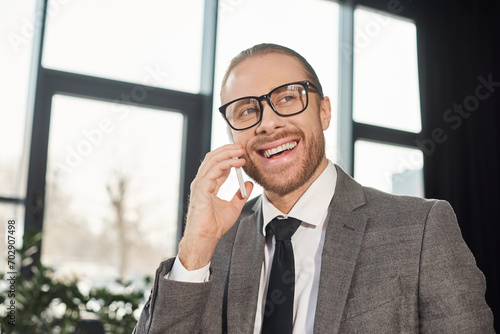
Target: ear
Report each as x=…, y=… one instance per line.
x=325, y=112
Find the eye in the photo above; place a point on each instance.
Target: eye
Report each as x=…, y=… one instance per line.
x=244, y=109
x=286, y=98
x=248, y=111
x=287, y=95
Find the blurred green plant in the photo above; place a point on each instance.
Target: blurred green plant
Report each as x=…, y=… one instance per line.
x=46, y=304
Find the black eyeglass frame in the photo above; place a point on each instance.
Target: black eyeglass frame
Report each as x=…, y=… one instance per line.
x=306, y=84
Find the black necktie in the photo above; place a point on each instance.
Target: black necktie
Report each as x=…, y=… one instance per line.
x=278, y=312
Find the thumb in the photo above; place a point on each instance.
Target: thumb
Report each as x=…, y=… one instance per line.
x=238, y=201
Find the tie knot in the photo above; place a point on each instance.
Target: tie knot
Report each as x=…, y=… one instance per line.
x=283, y=229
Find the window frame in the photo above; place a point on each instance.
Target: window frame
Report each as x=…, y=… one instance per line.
x=349, y=130
x=196, y=109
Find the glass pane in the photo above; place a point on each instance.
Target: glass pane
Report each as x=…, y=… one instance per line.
x=112, y=188
x=17, y=19
x=386, y=89
x=390, y=168
x=151, y=42
x=243, y=24
x=10, y=214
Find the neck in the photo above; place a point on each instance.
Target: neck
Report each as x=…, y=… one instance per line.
x=285, y=202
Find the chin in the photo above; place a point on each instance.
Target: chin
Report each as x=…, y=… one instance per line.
x=284, y=181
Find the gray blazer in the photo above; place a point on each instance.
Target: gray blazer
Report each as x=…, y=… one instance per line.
x=390, y=264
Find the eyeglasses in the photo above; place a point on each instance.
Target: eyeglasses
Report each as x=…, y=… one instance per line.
x=286, y=100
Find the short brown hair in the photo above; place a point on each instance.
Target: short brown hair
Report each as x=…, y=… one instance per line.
x=268, y=48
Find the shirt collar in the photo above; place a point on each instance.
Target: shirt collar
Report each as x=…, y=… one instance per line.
x=312, y=205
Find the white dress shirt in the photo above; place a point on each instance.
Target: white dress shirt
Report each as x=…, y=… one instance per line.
x=307, y=242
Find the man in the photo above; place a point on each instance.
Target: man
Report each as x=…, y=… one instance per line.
x=362, y=261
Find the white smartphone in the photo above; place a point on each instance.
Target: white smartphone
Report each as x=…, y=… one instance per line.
x=239, y=175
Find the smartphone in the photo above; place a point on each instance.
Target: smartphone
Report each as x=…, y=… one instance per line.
x=239, y=174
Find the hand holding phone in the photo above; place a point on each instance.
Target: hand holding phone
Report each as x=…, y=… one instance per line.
x=239, y=174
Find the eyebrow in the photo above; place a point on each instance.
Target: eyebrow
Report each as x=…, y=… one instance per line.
x=269, y=90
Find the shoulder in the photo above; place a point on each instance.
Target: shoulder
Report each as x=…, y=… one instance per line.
x=352, y=196
x=379, y=199
x=400, y=209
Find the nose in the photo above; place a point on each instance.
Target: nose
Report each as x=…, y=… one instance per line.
x=270, y=120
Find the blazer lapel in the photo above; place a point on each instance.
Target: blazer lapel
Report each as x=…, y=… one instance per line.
x=344, y=234
x=244, y=278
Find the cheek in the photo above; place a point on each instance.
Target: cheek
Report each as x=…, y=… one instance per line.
x=243, y=140
x=312, y=124
x=239, y=137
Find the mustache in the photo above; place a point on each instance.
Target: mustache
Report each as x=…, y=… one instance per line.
x=259, y=141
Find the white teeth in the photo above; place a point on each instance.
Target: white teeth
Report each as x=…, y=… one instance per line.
x=273, y=151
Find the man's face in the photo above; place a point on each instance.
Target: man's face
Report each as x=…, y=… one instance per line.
x=298, y=139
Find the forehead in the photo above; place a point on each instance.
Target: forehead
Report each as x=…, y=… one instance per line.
x=257, y=75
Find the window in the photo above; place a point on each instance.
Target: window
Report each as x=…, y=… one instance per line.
x=386, y=107
x=153, y=42
x=112, y=148
x=17, y=19
x=390, y=168
x=385, y=71
x=112, y=188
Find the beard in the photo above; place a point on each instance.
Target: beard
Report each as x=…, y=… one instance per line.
x=284, y=179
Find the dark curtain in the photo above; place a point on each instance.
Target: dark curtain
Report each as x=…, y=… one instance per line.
x=459, y=56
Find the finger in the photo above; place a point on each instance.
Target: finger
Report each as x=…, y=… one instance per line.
x=216, y=176
x=238, y=201
x=222, y=167
x=225, y=152
x=221, y=171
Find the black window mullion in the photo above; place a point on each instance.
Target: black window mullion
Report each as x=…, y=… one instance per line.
x=199, y=127
x=120, y=92
x=362, y=131
x=11, y=200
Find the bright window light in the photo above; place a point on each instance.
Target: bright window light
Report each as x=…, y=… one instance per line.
x=150, y=42
x=16, y=47
x=389, y=168
x=386, y=89
x=112, y=181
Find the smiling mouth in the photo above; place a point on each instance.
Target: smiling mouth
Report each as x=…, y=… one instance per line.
x=272, y=152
